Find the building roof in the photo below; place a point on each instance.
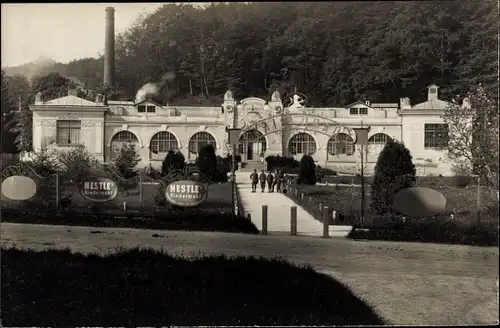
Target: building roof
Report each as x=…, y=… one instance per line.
x=359, y=102
x=75, y=80
x=432, y=104
x=71, y=101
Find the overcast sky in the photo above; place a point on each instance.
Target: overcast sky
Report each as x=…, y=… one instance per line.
x=62, y=32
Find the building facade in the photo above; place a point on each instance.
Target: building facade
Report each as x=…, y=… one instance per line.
x=266, y=127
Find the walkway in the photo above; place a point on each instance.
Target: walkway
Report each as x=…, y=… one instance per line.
x=278, y=212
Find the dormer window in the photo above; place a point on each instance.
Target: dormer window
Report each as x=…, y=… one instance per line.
x=358, y=111
x=432, y=90
x=141, y=109
x=151, y=109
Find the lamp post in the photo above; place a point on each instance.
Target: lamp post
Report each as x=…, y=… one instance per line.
x=362, y=140
x=233, y=140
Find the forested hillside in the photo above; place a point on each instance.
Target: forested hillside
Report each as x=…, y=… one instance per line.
x=334, y=52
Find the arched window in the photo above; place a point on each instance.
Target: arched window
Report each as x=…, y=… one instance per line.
x=377, y=142
x=379, y=139
x=302, y=143
x=340, y=144
x=161, y=143
x=120, y=139
x=198, y=140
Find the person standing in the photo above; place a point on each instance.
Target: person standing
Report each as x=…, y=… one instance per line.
x=279, y=180
x=254, y=178
x=262, y=157
x=263, y=179
x=270, y=181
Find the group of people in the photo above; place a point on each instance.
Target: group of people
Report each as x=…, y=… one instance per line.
x=272, y=179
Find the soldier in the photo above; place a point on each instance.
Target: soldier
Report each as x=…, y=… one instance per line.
x=263, y=179
x=254, y=177
x=270, y=181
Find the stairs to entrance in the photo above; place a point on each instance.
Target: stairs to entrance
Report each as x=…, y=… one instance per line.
x=249, y=166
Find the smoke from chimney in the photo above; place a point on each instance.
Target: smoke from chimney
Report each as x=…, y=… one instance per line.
x=109, y=47
x=151, y=89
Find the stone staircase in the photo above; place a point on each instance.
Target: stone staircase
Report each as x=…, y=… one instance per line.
x=249, y=166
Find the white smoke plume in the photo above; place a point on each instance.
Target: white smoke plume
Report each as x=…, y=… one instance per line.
x=151, y=89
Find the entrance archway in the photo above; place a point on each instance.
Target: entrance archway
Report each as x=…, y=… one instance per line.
x=252, y=144
x=198, y=141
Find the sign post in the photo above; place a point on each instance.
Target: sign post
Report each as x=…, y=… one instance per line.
x=362, y=140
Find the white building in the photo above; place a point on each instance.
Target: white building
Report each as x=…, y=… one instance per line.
x=268, y=126
x=324, y=133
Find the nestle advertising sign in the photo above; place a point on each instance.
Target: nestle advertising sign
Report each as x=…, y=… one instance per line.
x=186, y=193
x=99, y=190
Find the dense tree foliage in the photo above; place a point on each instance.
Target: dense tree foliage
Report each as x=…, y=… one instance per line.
x=8, y=119
x=307, y=171
x=334, y=52
x=394, y=171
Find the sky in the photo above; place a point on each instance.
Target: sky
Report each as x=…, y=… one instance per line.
x=61, y=32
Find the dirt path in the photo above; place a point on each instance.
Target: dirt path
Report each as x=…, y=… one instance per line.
x=407, y=283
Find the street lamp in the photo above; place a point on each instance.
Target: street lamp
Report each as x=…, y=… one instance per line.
x=233, y=140
x=362, y=140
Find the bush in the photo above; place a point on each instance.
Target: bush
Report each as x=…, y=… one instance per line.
x=125, y=163
x=207, y=162
x=159, y=197
x=198, y=219
x=462, y=181
x=394, y=171
x=173, y=161
x=307, y=171
x=274, y=162
x=223, y=168
x=146, y=287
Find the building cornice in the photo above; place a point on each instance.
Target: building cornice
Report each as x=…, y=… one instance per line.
x=73, y=108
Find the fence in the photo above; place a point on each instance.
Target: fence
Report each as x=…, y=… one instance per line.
x=137, y=195
x=469, y=205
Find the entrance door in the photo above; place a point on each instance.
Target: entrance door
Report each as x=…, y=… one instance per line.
x=249, y=151
x=257, y=149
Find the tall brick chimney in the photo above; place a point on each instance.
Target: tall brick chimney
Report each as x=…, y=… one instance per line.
x=109, y=47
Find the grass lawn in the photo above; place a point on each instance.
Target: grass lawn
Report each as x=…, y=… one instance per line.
x=346, y=201
x=216, y=214
x=219, y=197
x=146, y=287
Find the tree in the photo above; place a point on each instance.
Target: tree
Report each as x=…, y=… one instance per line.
x=207, y=161
x=473, y=133
x=173, y=161
x=19, y=95
x=126, y=161
x=51, y=86
x=8, y=120
x=307, y=171
x=44, y=162
x=394, y=171
x=77, y=163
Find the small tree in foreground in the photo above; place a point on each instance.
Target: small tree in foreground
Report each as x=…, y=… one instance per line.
x=77, y=163
x=394, y=171
x=125, y=166
x=307, y=171
x=207, y=161
x=473, y=132
x=173, y=161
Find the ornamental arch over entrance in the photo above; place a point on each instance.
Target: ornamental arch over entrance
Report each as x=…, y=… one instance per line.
x=252, y=144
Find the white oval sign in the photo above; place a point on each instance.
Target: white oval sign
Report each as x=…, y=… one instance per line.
x=99, y=190
x=186, y=193
x=419, y=202
x=18, y=187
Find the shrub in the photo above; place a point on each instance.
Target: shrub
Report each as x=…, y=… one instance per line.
x=274, y=162
x=159, y=197
x=462, y=181
x=44, y=162
x=307, y=171
x=173, y=161
x=207, y=162
x=125, y=166
x=77, y=164
x=394, y=171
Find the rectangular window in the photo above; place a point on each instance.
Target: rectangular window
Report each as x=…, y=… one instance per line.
x=353, y=111
x=436, y=135
x=68, y=132
x=363, y=111
x=141, y=109
x=151, y=109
